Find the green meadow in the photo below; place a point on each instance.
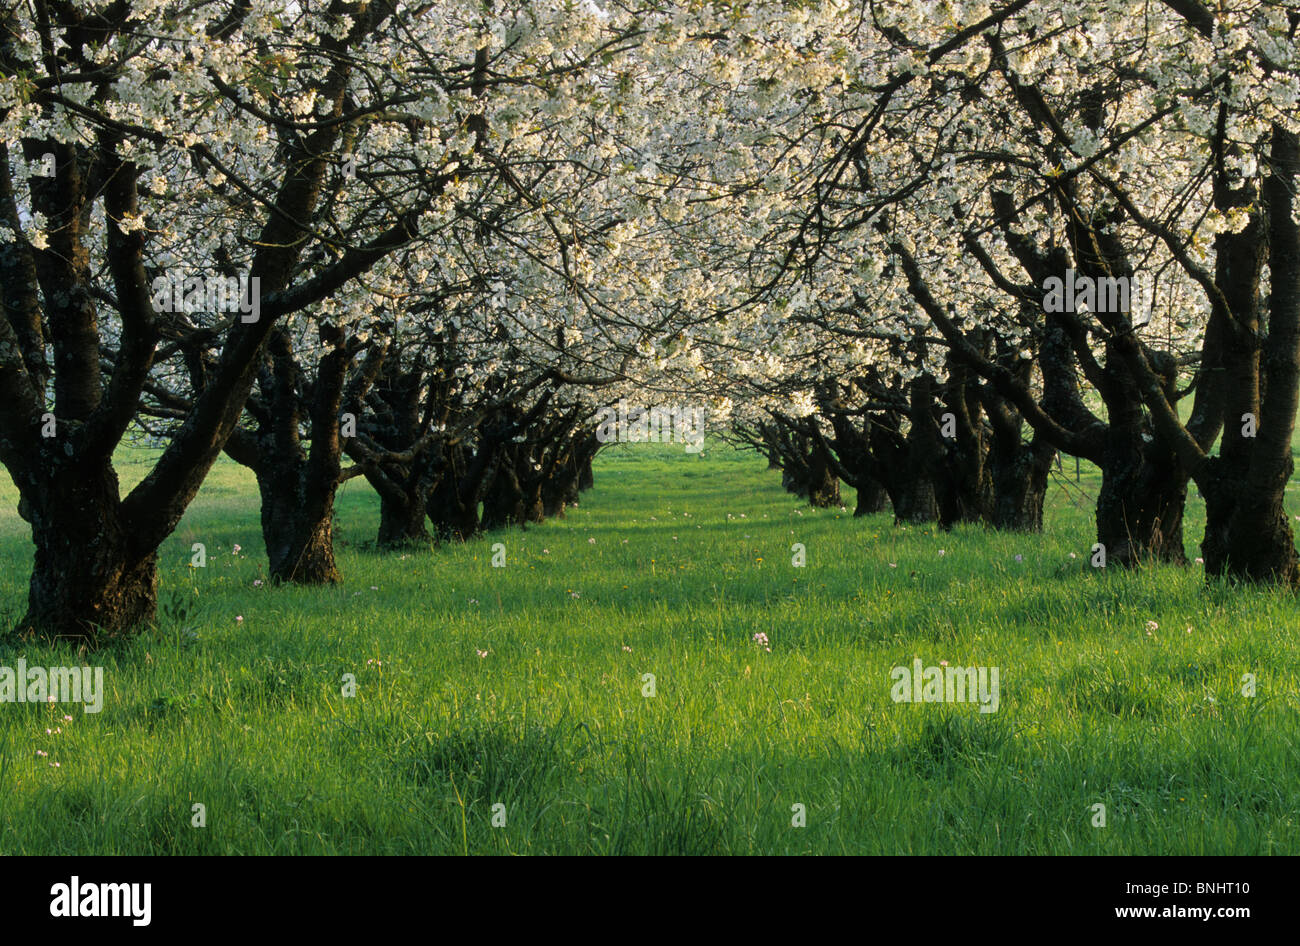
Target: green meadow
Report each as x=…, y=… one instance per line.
x=504, y=710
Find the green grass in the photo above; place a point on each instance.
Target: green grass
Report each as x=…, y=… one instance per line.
x=691, y=557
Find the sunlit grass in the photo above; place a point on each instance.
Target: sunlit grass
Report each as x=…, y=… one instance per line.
x=691, y=557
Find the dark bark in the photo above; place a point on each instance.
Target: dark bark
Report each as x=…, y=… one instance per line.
x=1019, y=473
x=453, y=505
x=299, y=535
x=964, y=488
x=1248, y=534
x=872, y=497
x=88, y=578
x=823, y=485
x=401, y=522
x=297, y=483
x=394, y=455
x=848, y=450
x=807, y=469
x=1140, y=505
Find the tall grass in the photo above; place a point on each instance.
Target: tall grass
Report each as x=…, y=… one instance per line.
x=669, y=567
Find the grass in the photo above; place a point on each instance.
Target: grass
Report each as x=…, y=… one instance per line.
x=669, y=567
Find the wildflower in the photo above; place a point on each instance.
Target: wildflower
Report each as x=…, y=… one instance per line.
x=1152, y=626
x=591, y=540
x=239, y=619
x=761, y=639
x=626, y=649
x=236, y=549
x=942, y=553
x=481, y=653
x=1199, y=560
x=257, y=583
x=943, y=663
x=575, y=594
x=1020, y=558
x=41, y=754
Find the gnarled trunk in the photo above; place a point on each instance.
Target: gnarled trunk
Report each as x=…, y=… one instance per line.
x=401, y=522
x=823, y=485
x=87, y=578
x=872, y=497
x=915, y=500
x=1247, y=532
x=1019, y=473
x=298, y=532
x=1141, y=502
x=453, y=501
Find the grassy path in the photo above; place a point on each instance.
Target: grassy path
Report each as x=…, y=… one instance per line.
x=522, y=687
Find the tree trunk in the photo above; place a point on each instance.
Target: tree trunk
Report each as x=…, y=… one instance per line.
x=560, y=487
x=962, y=477
x=915, y=501
x=1019, y=472
x=872, y=497
x=299, y=536
x=823, y=485
x=87, y=578
x=401, y=522
x=1247, y=532
x=453, y=501
x=298, y=485
x=503, y=501
x=1140, y=506
x=917, y=457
